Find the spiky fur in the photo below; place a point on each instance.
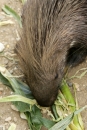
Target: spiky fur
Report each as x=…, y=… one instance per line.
x=49, y=28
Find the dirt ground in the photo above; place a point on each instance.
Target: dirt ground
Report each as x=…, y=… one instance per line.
x=8, y=36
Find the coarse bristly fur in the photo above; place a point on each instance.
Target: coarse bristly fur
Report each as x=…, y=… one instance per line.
x=54, y=35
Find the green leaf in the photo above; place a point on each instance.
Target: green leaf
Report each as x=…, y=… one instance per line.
x=10, y=11
x=37, y=118
x=18, y=98
x=5, y=81
x=25, y=88
x=55, y=112
x=17, y=86
x=23, y=1
x=66, y=121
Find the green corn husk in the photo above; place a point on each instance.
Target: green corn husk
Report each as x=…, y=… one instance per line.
x=66, y=104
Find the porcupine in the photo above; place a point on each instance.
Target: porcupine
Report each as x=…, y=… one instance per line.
x=54, y=35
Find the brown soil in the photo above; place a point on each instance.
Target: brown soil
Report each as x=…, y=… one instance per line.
x=8, y=36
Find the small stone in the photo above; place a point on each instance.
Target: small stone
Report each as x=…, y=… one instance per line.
x=11, y=71
x=2, y=47
x=15, y=119
x=11, y=93
x=14, y=108
x=15, y=68
x=2, y=17
x=2, y=69
x=77, y=86
x=70, y=84
x=7, y=46
x=6, y=62
x=4, y=93
x=1, y=89
x=8, y=119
